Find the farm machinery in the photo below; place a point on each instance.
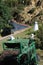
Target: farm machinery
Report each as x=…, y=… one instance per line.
x=18, y=52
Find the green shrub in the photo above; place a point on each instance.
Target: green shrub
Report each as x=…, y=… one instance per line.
x=39, y=35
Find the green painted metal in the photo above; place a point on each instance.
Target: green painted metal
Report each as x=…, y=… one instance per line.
x=27, y=50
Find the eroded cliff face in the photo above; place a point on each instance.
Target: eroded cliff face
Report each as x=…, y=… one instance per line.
x=32, y=12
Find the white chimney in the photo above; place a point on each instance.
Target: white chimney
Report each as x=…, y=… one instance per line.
x=36, y=26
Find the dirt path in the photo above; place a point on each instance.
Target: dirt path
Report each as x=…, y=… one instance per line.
x=16, y=32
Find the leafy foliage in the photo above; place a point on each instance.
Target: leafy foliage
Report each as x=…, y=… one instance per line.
x=5, y=15
x=11, y=3
x=39, y=38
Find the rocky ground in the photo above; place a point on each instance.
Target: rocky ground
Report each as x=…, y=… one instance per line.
x=33, y=12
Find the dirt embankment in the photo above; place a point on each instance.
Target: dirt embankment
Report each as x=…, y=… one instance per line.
x=33, y=12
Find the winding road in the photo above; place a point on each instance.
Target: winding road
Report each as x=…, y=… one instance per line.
x=18, y=30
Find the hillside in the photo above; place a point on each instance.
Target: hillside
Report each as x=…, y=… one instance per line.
x=32, y=12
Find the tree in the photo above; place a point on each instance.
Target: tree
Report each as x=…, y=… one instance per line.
x=11, y=3
x=5, y=14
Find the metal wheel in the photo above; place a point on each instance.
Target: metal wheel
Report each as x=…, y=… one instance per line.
x=24, y=60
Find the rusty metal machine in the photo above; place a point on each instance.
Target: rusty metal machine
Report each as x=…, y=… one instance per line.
x=19, y=52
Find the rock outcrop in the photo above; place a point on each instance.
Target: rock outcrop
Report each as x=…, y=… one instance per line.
x=33, y=12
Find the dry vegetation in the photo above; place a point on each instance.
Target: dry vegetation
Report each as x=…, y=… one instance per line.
x=33, y=12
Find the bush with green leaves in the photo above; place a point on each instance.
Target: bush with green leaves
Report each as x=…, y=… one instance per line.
x=5, y=15
x=39, y=36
